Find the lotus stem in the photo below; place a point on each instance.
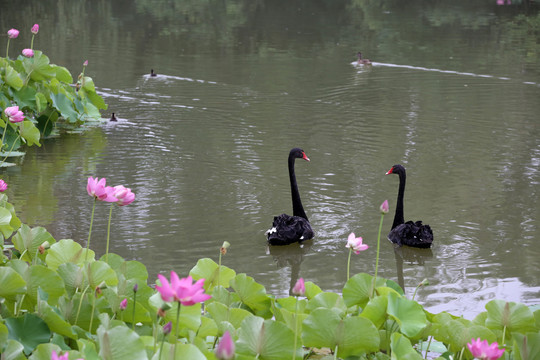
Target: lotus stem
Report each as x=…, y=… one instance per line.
x=90, y=230
x=93, y=309
x=108, y=235
x=349, y=263
x=295, y=329
x=378, y=250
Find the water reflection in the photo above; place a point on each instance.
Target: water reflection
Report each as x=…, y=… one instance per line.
x=290, y=256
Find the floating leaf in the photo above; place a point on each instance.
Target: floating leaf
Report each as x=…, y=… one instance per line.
x=266, y=339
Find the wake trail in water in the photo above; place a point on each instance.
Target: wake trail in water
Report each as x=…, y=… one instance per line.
x=421, y=68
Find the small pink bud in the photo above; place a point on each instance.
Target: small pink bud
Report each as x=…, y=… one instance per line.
x=14, y=114
x=384, y=207
x=123, y=195
x=123, y=304
x=299, y=288
x=85, y=63
x=13, y=33
x=28, y=53
x=35, y=29
x=225, y=349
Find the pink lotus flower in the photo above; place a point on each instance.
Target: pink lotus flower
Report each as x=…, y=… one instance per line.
x=35, y=29
x=225, y=349
x=299, y=288
x=355, y=243
x=3, y=185
x=384, y=207
x=124, y=195
x=54, y=356
x=14, y=114
x=13, y=33
x=483, y=351
x=96, y=188
x=28, y=53
x=182, y=290
x=123, y=304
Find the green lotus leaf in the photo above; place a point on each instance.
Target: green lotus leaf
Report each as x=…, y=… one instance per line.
x=183, y=351
x=402, y=348
x=41, y=102
x=130, y=269
x=28, y=240
x=3, y=335
x=207, y=269
x=352, y=335
x=30, y=133
x=29, y=330
x=72, y=276
x=327, y=300
x=87, y=349
x=38, y=67
x=63, y=74
x=266, y=339
x=408, y=314
x=65, y=107
x=119, y=342
x=221, y=312
x=224, y=296
x=311, y=290
x=291, y=318
x=514, y=316
x=357, y=290
x=252, y=294
x=25, y=97
x=55, y=321
x=11, y=283
x=460, y=334
x=208, y=328
x=13, y=79
x=13, y=350
x=375, y=310
x=67, y=251
x=526, y=347
x=39, y=276
x=5, y=216
x=99, y=272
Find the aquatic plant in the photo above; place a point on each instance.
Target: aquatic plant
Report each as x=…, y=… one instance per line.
x=46, y=94
x=354, y=244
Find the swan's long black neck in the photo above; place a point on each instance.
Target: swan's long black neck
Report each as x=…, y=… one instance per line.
x=398, y=217
x=298, y=209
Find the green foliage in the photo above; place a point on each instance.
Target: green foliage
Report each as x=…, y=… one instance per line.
x=52, y=298
x=45, y=93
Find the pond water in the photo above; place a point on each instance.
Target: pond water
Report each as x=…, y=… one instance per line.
x=453, y=95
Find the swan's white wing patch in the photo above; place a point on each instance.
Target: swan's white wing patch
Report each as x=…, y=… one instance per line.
x=271, y=231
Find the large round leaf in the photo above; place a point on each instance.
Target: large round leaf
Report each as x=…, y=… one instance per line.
x=213, y=274
x=352, y=335
x=28, y=240
x=29, y=330
x=99, y=272
x=120, y=342
x=402, y=348
x=13, y=350
x=67, y=251
x=514, y=316
x=327, y=300
x=267, y=339
x=408, y=313
x=252, y=294
x=357, y=290
x=11, y=283
x=39, y=276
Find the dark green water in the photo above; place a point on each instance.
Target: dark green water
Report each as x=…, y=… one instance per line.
x=453, y=95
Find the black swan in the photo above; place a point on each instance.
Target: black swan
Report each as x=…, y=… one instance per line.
x=288, y=229
x=409, y=233
x=362, y=61
x=113, y=118
x=152, y=73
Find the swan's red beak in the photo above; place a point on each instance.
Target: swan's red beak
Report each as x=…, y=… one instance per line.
x=390, y=171
x=304, y=156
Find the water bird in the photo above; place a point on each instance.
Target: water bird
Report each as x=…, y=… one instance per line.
x=152, y=73
x=408, y=233
x=361, y=60
x=288, y=229
x=113, y=118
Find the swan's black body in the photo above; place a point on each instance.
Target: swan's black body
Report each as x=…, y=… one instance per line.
x=288, y=229
x=152, y=73
x=409, y=233
x=113, y=118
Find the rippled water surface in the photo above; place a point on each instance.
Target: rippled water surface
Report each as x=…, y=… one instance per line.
x=204, y=144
